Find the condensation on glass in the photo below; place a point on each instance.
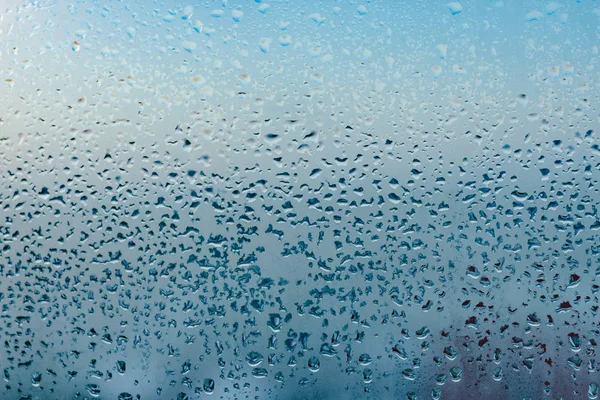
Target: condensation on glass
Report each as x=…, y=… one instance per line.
x=299, y=200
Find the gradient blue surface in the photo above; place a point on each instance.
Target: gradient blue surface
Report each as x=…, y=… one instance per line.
x=299, y=200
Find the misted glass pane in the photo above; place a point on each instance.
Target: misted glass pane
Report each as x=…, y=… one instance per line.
x=299, y=199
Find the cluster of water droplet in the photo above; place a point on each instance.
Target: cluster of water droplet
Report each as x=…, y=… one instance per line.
x=281, y=200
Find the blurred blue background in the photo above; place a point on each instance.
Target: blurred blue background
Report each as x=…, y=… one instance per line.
x=299, y=200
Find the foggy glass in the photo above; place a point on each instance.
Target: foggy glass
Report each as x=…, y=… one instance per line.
x=299, y=199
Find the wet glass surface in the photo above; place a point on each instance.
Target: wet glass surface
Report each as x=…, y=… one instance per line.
x=299, y=199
